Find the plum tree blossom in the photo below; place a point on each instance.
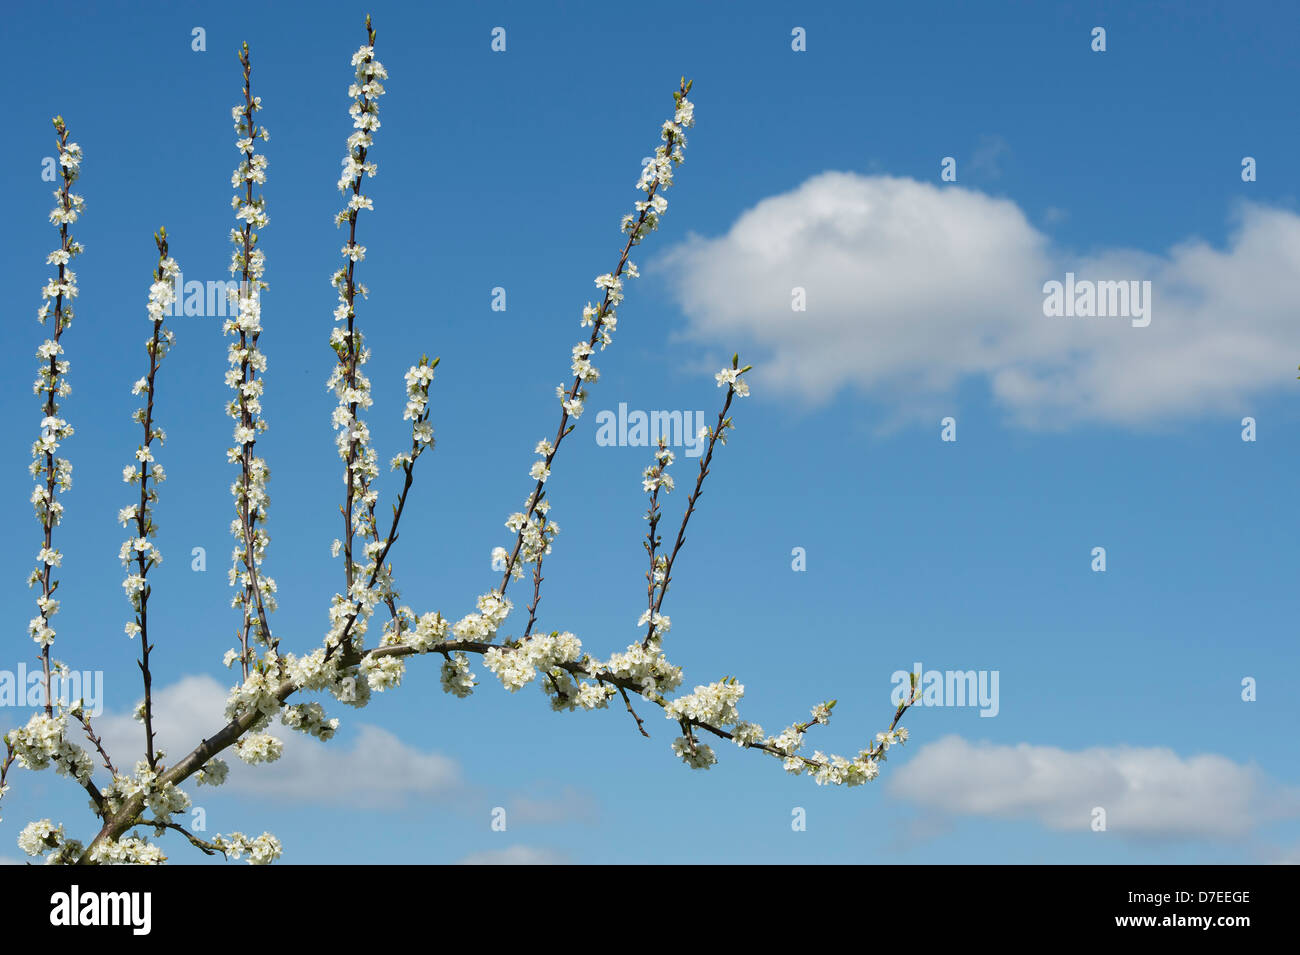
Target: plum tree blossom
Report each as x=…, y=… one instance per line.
x=256, y=594
x=349, y=664
x=139, y=547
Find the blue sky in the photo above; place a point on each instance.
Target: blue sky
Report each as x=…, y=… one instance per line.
x=511, y=170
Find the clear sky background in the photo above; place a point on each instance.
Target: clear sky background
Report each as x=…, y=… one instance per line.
x=1120, y=689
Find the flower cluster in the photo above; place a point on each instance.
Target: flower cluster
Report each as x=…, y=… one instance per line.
x=53, y=472
x=368, y=583
x=430, y=631
x=128, y=851
x=456, y=676
x=259, y=748
x=557, y=656
x=309, y=718
x=44, y=741
x=657, y=174
x=693, y=753
x=115, y=794
x=511, y=667
x=382, y=672
x=493, y=609
x=256, y=592
x=139, y=546
x=262, y=850
x=644, y=664
x=569, y=694
x=731, y=377
x=535, y=532
x=214, y=773
x=418, y=379
x=656, y=476
x=43, y=838
x=320, y=670
x=714, y=704
x=659, y=623
x=162, y=797
x=516, y=667
x=258, y=693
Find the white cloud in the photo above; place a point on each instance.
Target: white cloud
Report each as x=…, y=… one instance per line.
x=1150, y=793
x=373, y=770
x=913, y=289
x=515, y=855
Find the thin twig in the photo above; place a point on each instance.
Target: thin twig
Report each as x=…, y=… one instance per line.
x=207, y=848
x=692, y=501
x=352, y=359
x=639, y=724
x=537, y=593
x=98, y=743
x=50, y=512
x=143, y=518
x=248, y=517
